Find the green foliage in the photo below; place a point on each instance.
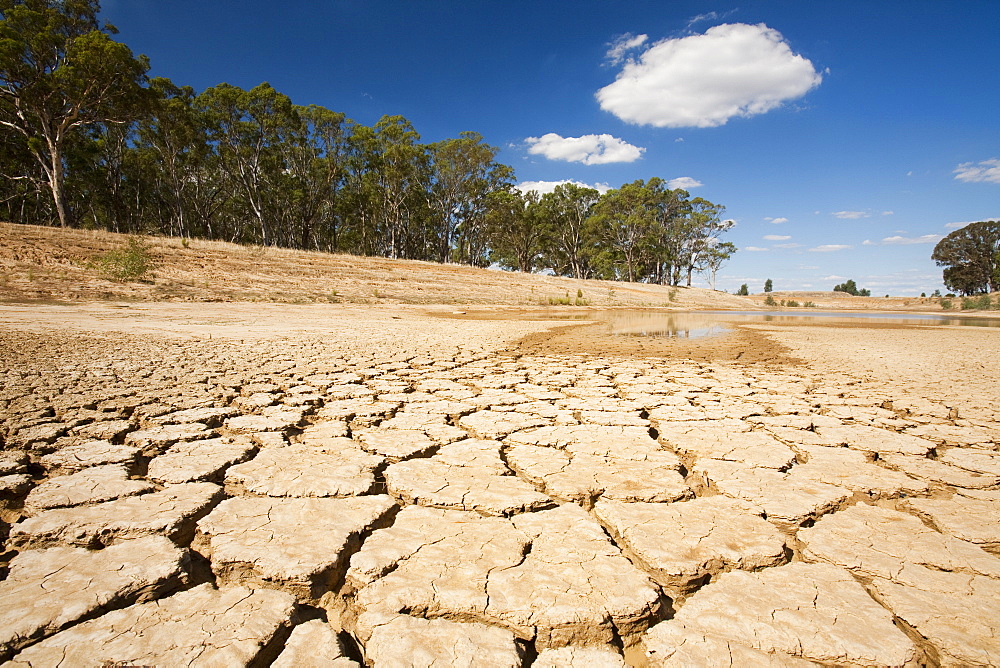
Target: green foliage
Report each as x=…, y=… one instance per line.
x=851, y=288
x=809, y=304
x=946, y=304
x=980, y=303
x=63, y=75
x=768, y=285
x=971, y=258
x=792, y=303
x=131, y=263
x=744, y=290
x=769, y=301
x=672, y=295
x=89, y=140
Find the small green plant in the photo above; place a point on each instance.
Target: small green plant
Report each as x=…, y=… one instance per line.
x=185, y=242
x=378, y=295
x=783, y=302
x=579, y=293
x=946, y=304
x=809, y=304
x=131, y=263
x=672, y=295
x=980, y=303
x=792, y=303
x=769, y=301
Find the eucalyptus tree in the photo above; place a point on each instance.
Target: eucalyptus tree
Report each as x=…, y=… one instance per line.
x=700, y=238
x=182, y=162
x=715, y=255
x=464, y=173
x=248, y=129
x=314, y=172
x=60, y=71
x=971, y=258
x=566, y=211
x=622, y=228
x=516, y=232
x=397, y=166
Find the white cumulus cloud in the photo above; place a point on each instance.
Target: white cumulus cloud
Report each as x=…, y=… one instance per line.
x=830, y=248
x=684, y=182
x=733, y=69
x=622, y=45
x=544, y=187
x=776, y=221
x=588, y=149
x=851, y=215
x=776, y=237
x=986, y=171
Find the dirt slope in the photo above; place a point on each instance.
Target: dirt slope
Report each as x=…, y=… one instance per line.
x=51, y=264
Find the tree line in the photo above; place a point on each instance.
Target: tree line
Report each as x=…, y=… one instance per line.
x=90, y=140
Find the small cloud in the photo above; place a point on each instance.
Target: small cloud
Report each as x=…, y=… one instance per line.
x=907, y=241
x=703, y=80
x=868, y=242
x=851, y=215
x=588, y=149
x=776, y=221
x=829, y=248
x=985, y=171
x=622, y=45
x=544, y=187
x=833, y=277
x=684, y=183
x=754, y=249
x=679, y=140
x=888, y=213
x=776, y=237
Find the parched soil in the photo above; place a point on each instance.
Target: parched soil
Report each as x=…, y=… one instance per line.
x=397, y=484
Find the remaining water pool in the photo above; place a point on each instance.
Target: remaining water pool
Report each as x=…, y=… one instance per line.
x=695, y=324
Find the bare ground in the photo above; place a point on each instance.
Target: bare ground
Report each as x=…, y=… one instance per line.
x=402, y=483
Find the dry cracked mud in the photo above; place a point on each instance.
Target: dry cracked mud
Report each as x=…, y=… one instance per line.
x=216, y=485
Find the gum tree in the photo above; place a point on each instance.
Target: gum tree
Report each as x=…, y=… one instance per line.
x=60, y=72
x=971, y=258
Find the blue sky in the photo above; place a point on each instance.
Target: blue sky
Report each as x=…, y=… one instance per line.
x=844, y=138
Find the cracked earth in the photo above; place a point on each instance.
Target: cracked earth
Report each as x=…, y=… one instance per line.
x=217, y=485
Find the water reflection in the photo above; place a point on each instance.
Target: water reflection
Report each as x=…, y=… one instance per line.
x=697, y=324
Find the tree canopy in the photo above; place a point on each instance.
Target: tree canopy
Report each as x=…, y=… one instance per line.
x=851, y=288
x=89, y=141
x=971, y=258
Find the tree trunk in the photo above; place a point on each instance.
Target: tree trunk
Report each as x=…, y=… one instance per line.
x=57, y=184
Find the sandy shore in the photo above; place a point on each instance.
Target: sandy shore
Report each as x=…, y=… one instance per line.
x=265, y=484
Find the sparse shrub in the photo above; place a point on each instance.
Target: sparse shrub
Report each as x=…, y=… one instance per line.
x=744, y=290
x=769, y=301
x=946, y=304
x=792, y=303
x=185, y=242
x=131, y=263
x=809, y=304
x=980, y=303
x=672, y=295
x=579, y=293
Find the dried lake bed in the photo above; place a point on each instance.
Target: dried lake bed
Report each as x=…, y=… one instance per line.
x=264, y=484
